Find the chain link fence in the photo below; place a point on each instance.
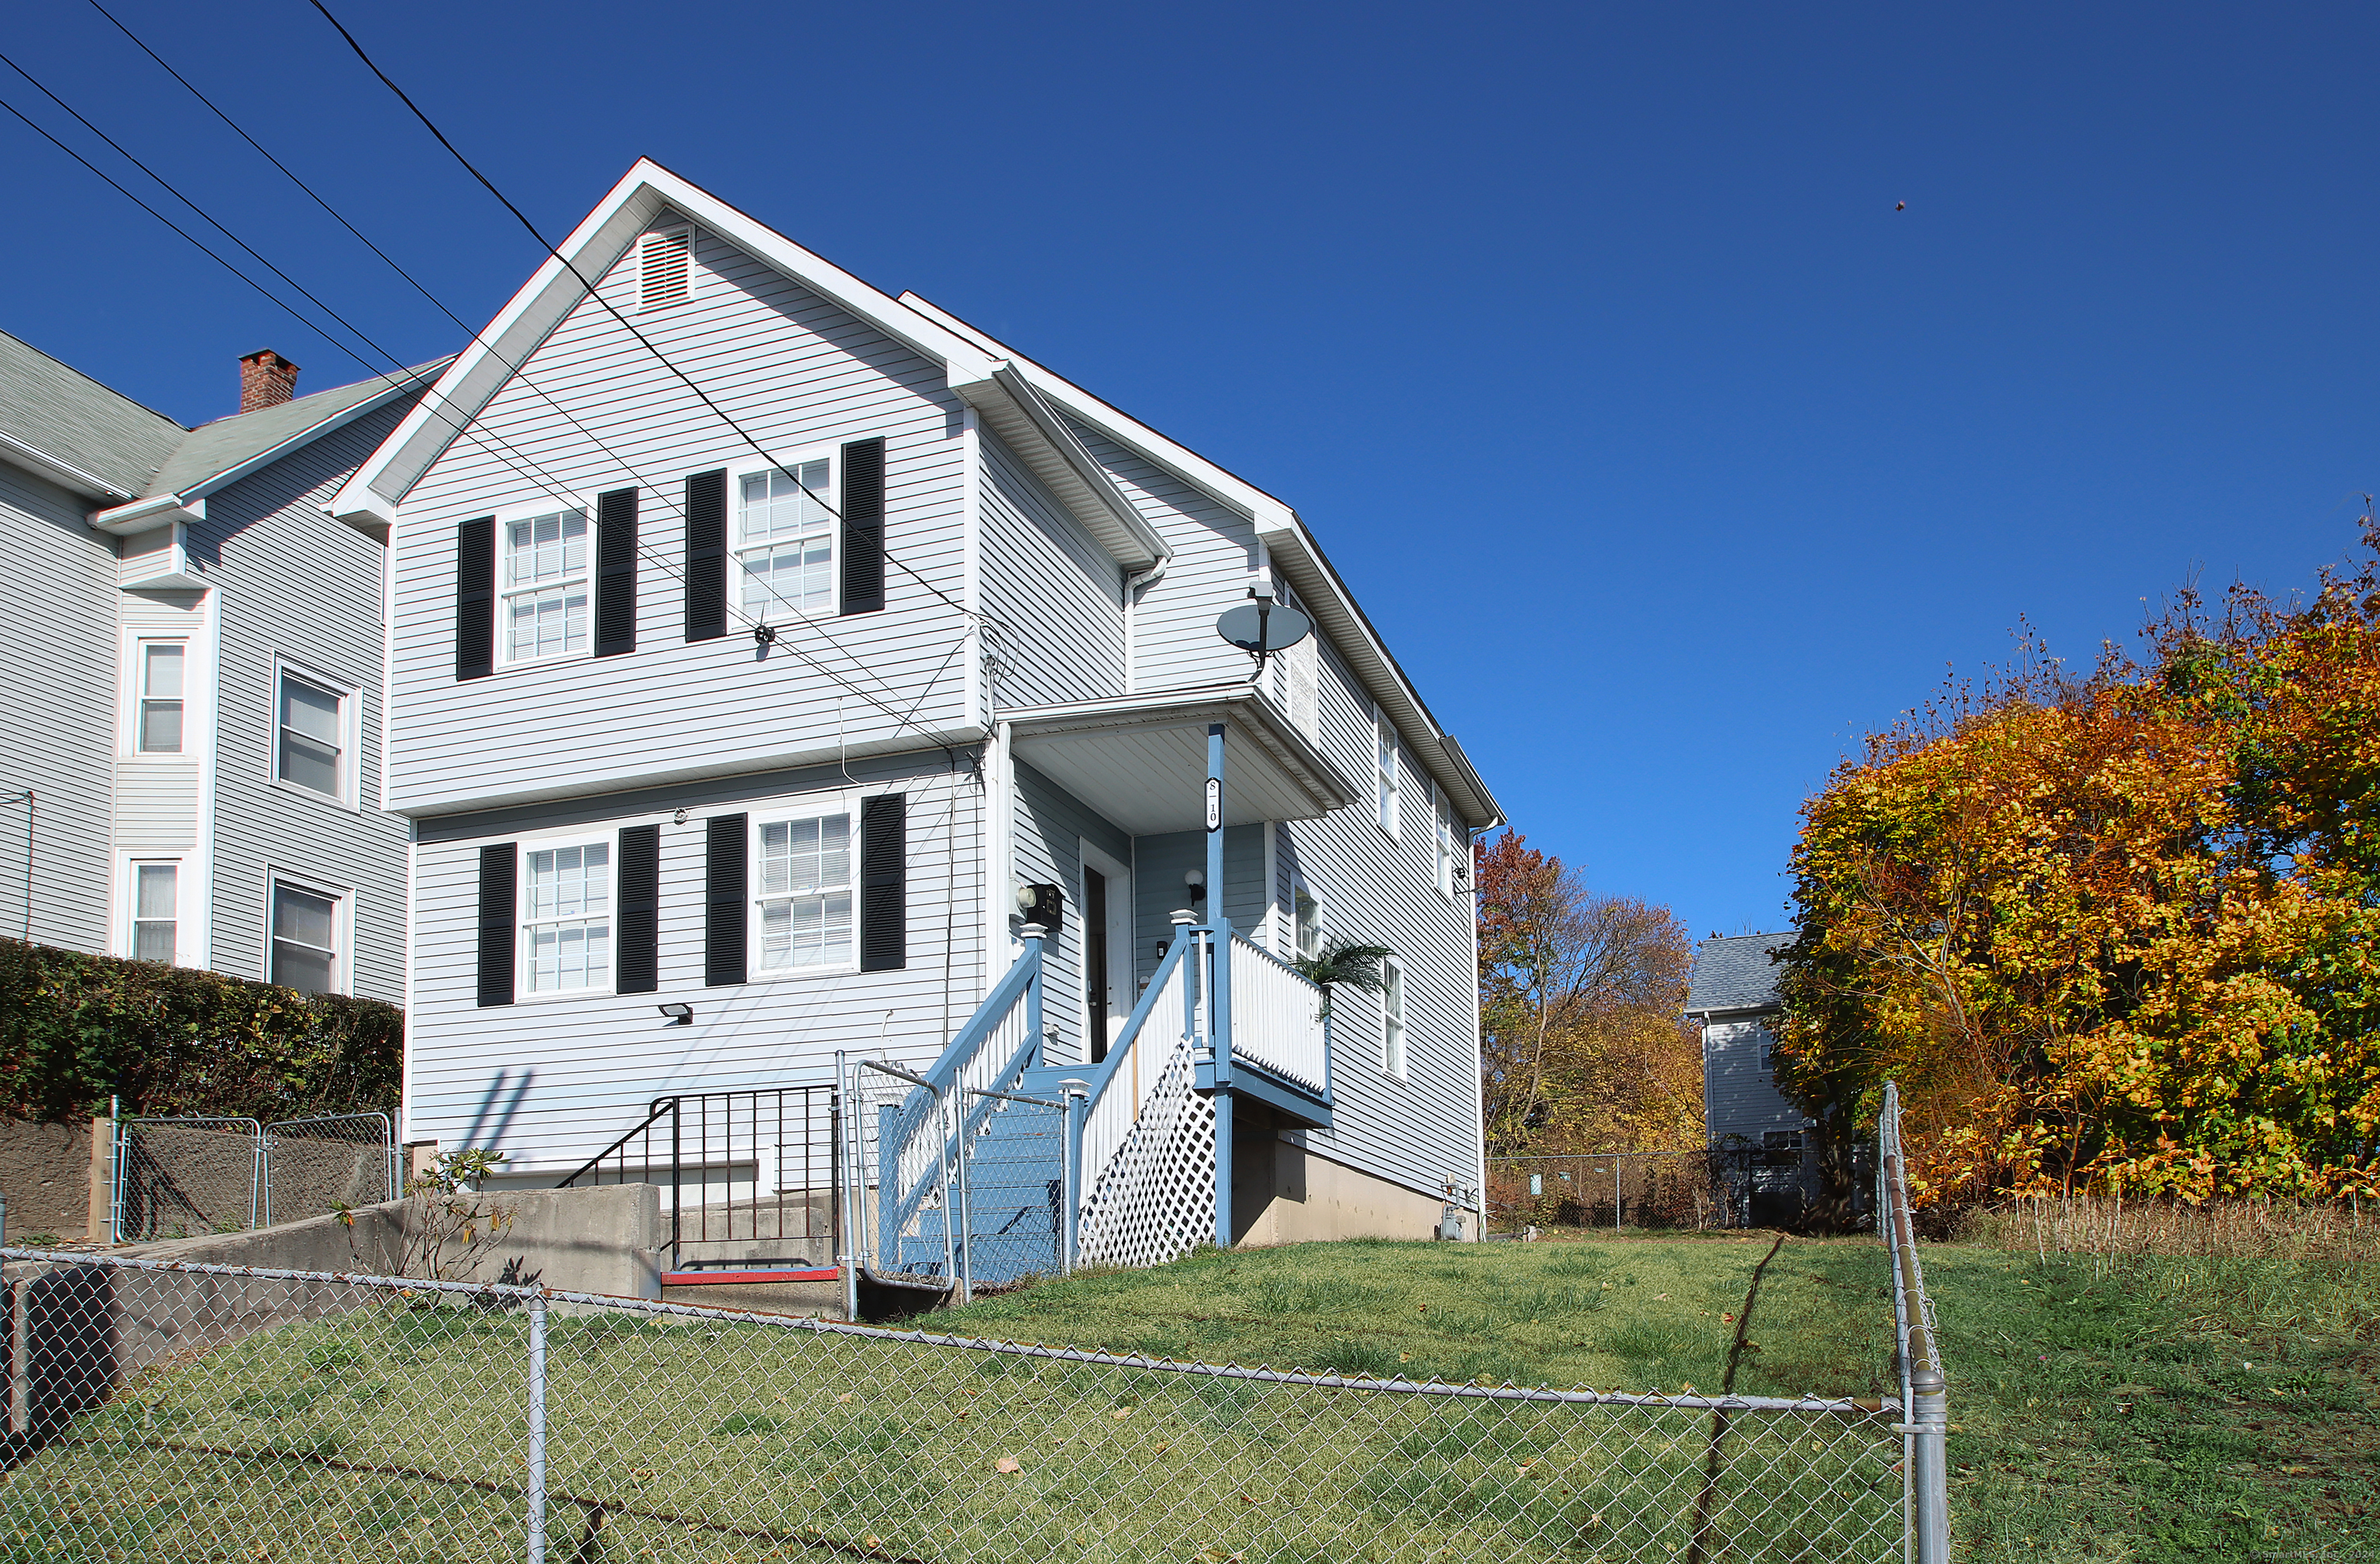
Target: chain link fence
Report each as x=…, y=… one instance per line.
x=171, y=1411
x=314, y=1167
x=181, y=1177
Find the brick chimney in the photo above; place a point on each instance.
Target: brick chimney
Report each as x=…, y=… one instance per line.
x=266, y=380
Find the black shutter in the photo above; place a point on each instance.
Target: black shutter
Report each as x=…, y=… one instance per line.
x=499, y=888
x=638, y=944
x=883, y=883
x=863, y=526
x=729, y=844
x=706, y=555
x=615, y=572
x=475, y=598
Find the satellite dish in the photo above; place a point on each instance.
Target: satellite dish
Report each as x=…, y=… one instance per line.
x=1262, y=628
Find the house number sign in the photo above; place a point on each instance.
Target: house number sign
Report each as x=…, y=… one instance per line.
x=1214, y=803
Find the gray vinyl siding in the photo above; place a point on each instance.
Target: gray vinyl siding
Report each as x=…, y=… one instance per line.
x=798, y=374
x=1174, y=640
x=57, y=713
x=159, y=797
x=552, y=1081
x=1422, y=1130
x=293, y=584
x=1052, y=825
x=1160, y=862
x=1053, y=597
x=1740, y=1095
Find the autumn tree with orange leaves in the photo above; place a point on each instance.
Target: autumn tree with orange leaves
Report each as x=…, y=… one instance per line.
x=1580, y=993
x=2119, y=933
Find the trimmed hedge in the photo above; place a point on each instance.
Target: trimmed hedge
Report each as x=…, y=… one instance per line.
x=77, y=1029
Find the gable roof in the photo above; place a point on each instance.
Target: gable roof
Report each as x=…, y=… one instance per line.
x=1014, y=395
x=216, y=453
x=1735, y=971
x=73, y=430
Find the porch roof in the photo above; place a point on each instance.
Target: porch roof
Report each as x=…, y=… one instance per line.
x=1141, y=759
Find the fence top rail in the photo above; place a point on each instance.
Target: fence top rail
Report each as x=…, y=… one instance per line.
x=328, y=1119
x=1013, y=1097
x=537, y=1296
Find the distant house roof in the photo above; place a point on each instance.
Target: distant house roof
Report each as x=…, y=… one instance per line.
x=1734, y=971
x=229, y=444
x=63, y=420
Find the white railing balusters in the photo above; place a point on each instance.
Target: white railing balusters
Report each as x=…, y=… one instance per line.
x=1276, y=1017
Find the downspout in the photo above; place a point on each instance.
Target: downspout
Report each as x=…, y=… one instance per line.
x=1132, y=587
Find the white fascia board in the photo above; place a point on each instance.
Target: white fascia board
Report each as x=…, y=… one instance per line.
x=1302, y=757
x=142, y=515
x=63, y=473
x=1284, y=535
x=645, y=192
x=1007, y=402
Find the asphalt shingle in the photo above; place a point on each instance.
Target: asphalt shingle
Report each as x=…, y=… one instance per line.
x=1733, y=972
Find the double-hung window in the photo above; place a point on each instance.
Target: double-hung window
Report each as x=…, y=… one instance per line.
x=784, y=541
x=157, y=723
x=545, y=585
x=1384, y=737
x=1451, y=856
x=304, y=940
x=1392, y=1017
x=157, y=915
x=804, y=899
x=310, y=746
x=566, y=917
x=1306, y=918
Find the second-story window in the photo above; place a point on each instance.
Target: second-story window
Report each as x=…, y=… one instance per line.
x=1384, y=735
x=313, y=739
x=566, y=917
x=545, y=585
x=784, y=541
x=159, y=725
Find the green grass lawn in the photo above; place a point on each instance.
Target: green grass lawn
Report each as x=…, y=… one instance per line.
x=2167, y=1409
x=392, y=1433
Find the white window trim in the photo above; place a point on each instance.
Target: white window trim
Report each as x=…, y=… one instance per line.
x=1394, y=772
x=522, y=993
x=811, y=806
x=1297, y=882
x=505, y=516
x=833, y=494
x=197, y=683
x=342, y=971
x=1397, y=1063
x=350, y=794
x=126, y=900
x=1449, y=843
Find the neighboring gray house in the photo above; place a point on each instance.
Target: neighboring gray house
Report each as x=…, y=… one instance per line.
x=190, y=680
x=1734, y=993
x=750, y=679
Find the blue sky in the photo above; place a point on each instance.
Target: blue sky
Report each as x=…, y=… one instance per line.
x=1667, y=453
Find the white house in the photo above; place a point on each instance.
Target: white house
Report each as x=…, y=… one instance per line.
x=759, y=642
x=190, y=711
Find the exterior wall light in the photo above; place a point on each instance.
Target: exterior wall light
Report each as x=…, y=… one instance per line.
x=1196, y=882
x=679, y=1014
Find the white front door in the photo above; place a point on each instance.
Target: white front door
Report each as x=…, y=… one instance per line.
x=1105, y=898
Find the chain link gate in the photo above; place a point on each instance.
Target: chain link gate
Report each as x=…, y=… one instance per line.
x=314, y=1167
x=183, y=1178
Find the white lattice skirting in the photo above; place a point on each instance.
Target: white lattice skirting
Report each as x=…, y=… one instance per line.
x=1155, y=1200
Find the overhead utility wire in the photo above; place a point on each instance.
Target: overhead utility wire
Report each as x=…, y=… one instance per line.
x=523, y=465
x=624, y=323
x=554, y=487
x=519, y=371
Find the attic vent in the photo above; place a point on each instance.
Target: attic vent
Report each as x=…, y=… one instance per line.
x=661, y=274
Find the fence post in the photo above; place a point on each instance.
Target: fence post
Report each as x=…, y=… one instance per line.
x=1078, y=1103
x=536, y=1431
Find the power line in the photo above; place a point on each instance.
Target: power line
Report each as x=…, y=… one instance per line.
x=521, y=463
x=518, y=371
x=625, y=324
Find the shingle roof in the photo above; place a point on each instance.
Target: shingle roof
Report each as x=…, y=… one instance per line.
x=70, y=417
x=1733, y=972
x=217, y=448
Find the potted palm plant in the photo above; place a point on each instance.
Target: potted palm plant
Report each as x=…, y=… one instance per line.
x=1341, y=961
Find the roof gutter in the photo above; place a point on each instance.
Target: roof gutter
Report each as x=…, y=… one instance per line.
x=157, y=509
x=67, y=473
